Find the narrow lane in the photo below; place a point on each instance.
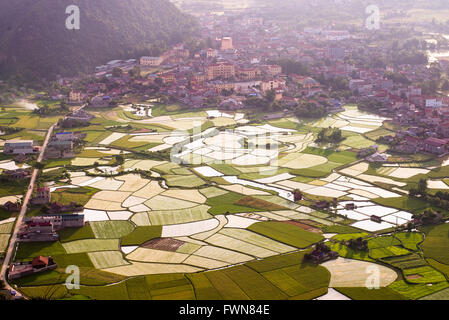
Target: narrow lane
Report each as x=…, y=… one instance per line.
x=12, y=243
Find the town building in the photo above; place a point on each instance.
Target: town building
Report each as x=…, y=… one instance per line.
x=61, y=146
x=20, y=147
x=151, y=61
x=435, y=146
x=80, y=116
x=222, y=70
x=42, y=196
x=15, y=175
x=37, y=265
x=45, y=228
x=226, y=43
x=100, y=101
x=75, y=96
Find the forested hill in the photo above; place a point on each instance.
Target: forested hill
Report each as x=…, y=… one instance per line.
x=34, y=39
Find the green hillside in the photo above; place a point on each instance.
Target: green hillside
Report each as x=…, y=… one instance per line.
x=34, y=39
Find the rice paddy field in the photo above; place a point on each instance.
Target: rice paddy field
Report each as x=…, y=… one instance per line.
x=194, y=212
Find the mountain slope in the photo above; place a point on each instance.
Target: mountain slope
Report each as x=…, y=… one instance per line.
x=33, y=36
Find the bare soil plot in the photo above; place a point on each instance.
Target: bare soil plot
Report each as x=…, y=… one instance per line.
x=165, y=244
x=303, y=226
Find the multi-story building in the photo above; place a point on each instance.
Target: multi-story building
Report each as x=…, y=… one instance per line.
x=20, y=147
x=61, y=146
x=272, y=85
x=273, y=70
x=75, y=96
x=226, y=43
x=42, y=196
x=222, y=70
x=167, y=77
x=211, y=53
x=151, y=61
x=248, y=73
x=219, y=86
x=46, y=227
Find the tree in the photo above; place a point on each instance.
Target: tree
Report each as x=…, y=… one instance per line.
x=270, y=96
x=332, y=135
x=39, y=166
x=422, y=186
x=117, y=72
x=135, y=72
x=159, y=81
x=119, y=159
x=310, y=110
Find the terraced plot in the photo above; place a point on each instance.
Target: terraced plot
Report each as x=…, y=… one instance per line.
x=91, y=245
